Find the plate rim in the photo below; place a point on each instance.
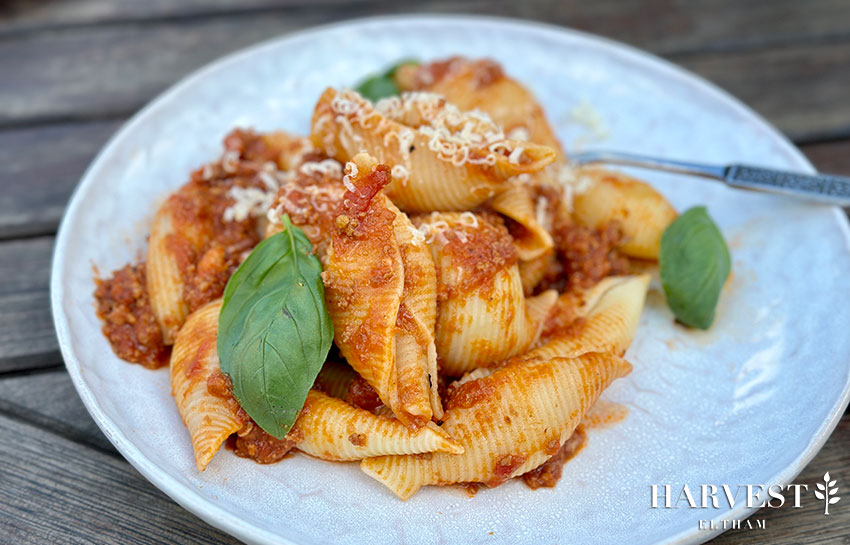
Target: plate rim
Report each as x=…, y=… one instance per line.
x=226, y=521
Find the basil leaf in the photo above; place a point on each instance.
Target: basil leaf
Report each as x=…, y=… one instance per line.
x=694, y=263
x=382, y=85
x=274, y=331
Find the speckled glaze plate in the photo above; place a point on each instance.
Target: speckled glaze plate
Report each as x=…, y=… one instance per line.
x=750, y=401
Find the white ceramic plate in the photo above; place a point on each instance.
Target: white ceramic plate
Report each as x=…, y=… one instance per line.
x=750, y=401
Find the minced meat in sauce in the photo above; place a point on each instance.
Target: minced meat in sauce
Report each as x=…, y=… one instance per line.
x=128, y=320
x=207, y=248
x=549, y=472
x=251, y=441
x=584, y=256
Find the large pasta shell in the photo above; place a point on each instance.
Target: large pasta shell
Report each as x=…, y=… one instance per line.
x=482, y=313
x=335, y=378
x=608, y=316
x=508, y=422
x=210, y=419
x=642, y=211
x=532, y=240
x=164, y=280
x=445, y=166
x=364, y=281
x=332, y=429
x=416, y=354
x=481, y=84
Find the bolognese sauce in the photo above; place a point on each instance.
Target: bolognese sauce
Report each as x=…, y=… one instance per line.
x=206, y=244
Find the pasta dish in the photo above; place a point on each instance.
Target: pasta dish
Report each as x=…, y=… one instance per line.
x=422, y=284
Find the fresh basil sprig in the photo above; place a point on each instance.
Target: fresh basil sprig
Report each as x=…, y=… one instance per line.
x=694, y=263
x=274, y=331
x=382, y=85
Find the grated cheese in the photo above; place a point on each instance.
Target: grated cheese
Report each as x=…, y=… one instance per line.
x=519, y=133
x=230, y=161
x=326, y=167
x=417, y=234
x=249, y=202
x=469, y=219
x=401, y=174
x=516, y=155
x=350, y=171
x=572, y=183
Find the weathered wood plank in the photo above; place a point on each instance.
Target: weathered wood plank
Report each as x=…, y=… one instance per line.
x=802, y=89
x=27, y=339
x=57, y=491
x=807, y=525
x=39, y=167
x=833, y=157
x=48, y=399
x=661, y=25
x=113, y=70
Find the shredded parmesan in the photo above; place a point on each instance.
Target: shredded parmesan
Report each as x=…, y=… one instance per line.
x=418, y=237
x=326, y=167
x=451, y=134
x=400, y=174
x=572, y=183
x=230, y=161
x=249, y=202
x=350, y=172
x=516, y=155
x=469, y=219
x=519, y=133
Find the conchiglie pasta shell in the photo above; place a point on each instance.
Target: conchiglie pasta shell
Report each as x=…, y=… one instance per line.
x=522, y=414
x=432, y=182
x=363, y=309
x=642, y=211
x=532, y=272
x=164, y=281
x=485, y=325
x=290, y=148
x=332, y=429
x=608, y=320
x=508, y=102
x=335, y=378
x=515, y=203
x=209, y=419
x=415, y=353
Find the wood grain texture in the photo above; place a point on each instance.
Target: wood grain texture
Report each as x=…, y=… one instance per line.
x=48, y=399
x=831, y=157
x=112, y=70
x=802, y=89
x=27, y=339
x=664, y=26
x=57, y=491
x=39, y=167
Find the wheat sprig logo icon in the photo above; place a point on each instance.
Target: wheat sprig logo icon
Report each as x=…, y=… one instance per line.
x=826, y=492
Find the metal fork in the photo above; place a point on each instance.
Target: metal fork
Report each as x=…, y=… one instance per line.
x=824, y=188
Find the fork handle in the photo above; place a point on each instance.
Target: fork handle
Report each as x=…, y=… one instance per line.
x=824, y=188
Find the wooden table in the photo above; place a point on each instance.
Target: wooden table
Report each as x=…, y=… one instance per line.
x=74, y=70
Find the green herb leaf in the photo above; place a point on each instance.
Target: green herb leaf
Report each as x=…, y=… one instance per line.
x=695, y=263
x=274, y=331
x=382, y=85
